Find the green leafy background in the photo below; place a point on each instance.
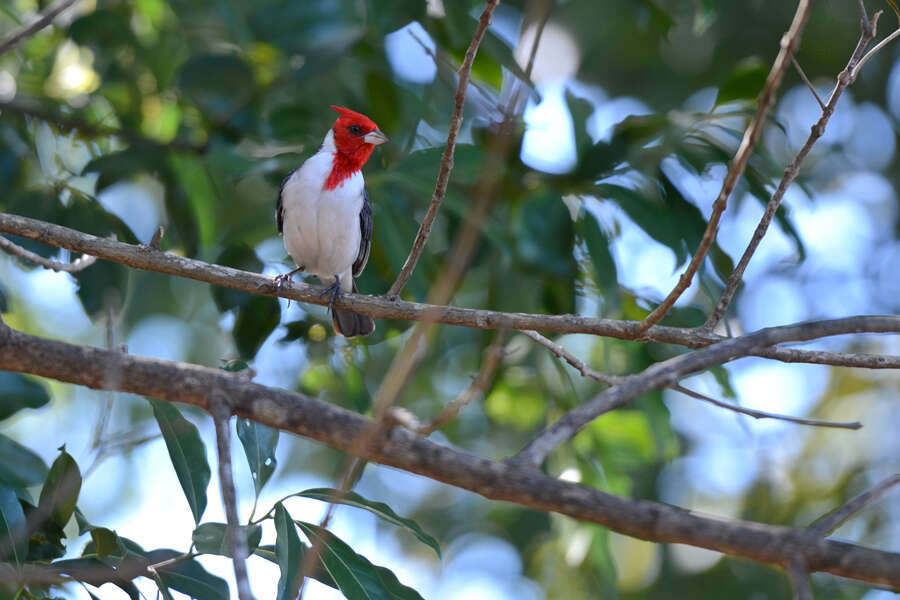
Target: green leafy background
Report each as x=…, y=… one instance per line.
x=212, y=103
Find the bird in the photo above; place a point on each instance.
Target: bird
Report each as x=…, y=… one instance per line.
x=325, y=215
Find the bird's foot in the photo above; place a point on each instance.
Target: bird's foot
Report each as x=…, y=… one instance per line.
x=334, y=291
x=279, y=281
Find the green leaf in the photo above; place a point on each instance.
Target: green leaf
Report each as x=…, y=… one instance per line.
x=19, y=466
x=318, y=573
x=191, y=173
x=259, y=444
x=254, y=323
x=13, y=544
x=377, y=508
x=598, y=248
x=723, y=378
x=209, y=81
x=745, y=82
x=18, y=392
x=238, y=256
x=106, y=542
x=83, y=524
x=61, y=488
x=4, y=303
x=125, y=164
x=212, y=538
x=289, y=551
x=189, y=577
x=46, y=537
x=187, y=453
x=95, y=572
x=356, y=577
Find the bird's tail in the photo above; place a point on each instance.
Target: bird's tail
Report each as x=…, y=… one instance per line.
x=350, y=324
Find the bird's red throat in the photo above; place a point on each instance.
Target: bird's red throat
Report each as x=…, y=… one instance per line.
x=345, y=165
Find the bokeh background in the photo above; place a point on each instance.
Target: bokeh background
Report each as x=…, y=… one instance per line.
x=620, y=147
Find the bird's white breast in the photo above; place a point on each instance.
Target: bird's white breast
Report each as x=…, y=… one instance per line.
x=321, y=227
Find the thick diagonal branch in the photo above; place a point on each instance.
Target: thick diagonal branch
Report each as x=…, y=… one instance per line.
x=586, y=371
x=179, y=382
x=670, y=371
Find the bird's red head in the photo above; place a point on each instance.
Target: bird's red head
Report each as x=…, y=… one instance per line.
x=355, y=136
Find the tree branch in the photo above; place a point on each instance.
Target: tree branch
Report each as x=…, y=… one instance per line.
x=237, y=543
x=440, y=187
x=789, y=43
x=79, y=265
x=836, y=518
x=22, y=35
x=670, y=371
x=149, y=259
x=761, y=414
x=586, y=371
x=799, y=580
x=845, y=78
x=179, y=382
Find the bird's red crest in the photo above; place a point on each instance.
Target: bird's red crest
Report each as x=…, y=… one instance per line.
x=351, y=117
x=352, y=150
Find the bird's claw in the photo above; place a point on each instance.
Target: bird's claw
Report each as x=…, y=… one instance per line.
x=279, y=281
x=334, y=291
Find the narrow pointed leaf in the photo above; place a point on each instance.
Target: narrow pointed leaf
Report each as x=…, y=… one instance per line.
x=61, y=488
x=318, y=573
x=259, y=444
x=13, y=544
x=187, y=453
x=19, y=466
x=18, y=392
x=212, y=538
x=189, y=577
x=378, y=508
x=357, y=578
x=289, y=552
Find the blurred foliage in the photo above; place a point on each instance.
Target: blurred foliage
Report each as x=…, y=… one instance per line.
x=128, y=115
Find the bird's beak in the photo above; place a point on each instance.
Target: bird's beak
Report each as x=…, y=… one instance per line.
x=375, y=137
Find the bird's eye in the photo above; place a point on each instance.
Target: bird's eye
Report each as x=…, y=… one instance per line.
x=355, y=130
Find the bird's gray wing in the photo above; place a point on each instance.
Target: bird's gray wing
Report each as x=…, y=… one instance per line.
x=366, y=223
x=279, y=205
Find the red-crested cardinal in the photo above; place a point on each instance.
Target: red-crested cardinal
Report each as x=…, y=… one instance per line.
x=325, y=214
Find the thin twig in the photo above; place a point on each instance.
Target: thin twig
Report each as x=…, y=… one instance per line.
x=180, y=382
x=807, y=81
x=874, y=51
x=575, y=362
x=20, y=36
x=761, y=414
x=237, y=542
x=440, y=188
x=845, y=78
x=789, y=43
x=837, y=517
x=659, y=375
x=80, y=264
x=379, y=307
x=586, y=371
x=492, y=357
